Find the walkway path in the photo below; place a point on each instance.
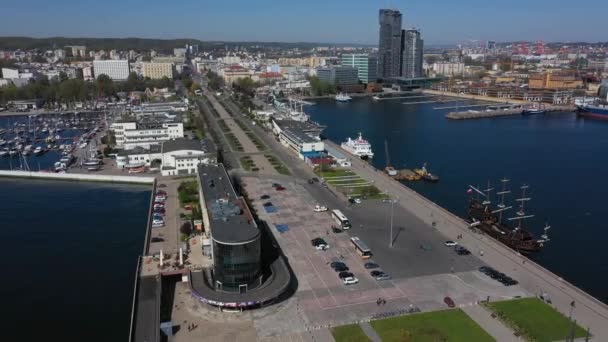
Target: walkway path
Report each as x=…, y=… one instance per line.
x=248, y=146
x=370, y=332
x=492, y=326
x=589, y=312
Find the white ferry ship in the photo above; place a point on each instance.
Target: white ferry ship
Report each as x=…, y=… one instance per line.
x=358, y=147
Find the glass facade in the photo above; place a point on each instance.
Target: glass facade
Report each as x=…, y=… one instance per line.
x=236, y=265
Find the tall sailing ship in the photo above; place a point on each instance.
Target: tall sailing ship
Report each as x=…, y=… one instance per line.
x=489, y=219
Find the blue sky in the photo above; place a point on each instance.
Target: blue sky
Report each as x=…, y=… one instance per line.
x=354, y=21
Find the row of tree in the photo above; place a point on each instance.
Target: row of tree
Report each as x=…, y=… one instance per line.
x=64, y=90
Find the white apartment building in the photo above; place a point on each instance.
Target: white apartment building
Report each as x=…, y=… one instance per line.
x=158, y=70
x=130, y=135
x=448, y=68
x=115, y=69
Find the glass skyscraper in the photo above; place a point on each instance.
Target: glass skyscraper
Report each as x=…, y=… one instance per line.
x=389, y=45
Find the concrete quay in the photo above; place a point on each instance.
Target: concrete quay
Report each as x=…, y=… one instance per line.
x=588, y=312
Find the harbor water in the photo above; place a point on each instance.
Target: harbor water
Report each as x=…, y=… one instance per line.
x=561, y=157
x=70, y=250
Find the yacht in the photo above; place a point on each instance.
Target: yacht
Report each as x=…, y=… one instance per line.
x=343, y=97
x=358, y=147
x=4, y=152
x=38, y=150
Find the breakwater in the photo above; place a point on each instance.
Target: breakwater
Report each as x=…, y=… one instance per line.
x=78, y=177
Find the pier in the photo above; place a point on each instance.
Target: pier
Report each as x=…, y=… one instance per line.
x=473, y=114
x=79, y=177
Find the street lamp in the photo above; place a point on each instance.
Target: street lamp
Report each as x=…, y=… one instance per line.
x=390, y=245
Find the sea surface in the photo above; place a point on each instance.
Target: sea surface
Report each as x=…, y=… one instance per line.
x=564, y=160
x=69, y=254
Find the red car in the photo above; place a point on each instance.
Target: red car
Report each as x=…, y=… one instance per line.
x=449, y=302
x=280, y=188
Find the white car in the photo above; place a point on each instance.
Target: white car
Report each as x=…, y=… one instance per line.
x=320, y=208
x=451, y=243
x=322, y=247
x=350, y=281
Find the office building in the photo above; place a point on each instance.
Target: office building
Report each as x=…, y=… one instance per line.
x=117, y=70
x=150, y=129
x=412, y=54
x=158, y=70
x=10, y=73
x=389, y=45
x=339, y=76
x=236, y=251
x=366, y=65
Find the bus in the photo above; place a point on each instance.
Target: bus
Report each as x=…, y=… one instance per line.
x=340, y=219
x=361, y=248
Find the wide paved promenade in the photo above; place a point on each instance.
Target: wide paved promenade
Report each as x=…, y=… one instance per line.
x=589, y=312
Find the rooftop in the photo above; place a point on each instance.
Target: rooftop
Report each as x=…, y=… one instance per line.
x=230, y=219
x=181, y=144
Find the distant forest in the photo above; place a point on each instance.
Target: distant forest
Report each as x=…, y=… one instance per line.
x=139, y=44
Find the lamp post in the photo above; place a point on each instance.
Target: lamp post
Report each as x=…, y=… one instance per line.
x=390, y=245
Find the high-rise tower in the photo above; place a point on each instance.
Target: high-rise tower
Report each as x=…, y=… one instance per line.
x=389, y=45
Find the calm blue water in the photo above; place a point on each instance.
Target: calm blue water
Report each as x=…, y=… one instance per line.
x=69, y=252
x=561, y=157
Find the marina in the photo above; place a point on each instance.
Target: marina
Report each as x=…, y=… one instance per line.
x=49, y=142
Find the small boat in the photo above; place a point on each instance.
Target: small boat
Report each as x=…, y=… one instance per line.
x=426, y=175
x=4, y=152
x=376, y=98
x=12, y=152
x=341, y=97
x=38, y=150
x=533, y=111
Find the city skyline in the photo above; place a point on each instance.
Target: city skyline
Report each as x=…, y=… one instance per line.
x=441, y=23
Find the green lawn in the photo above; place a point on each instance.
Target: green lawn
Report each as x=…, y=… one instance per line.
x=447, y=325
x=349, y=333
x=535, y=319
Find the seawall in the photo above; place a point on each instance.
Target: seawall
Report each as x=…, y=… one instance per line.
x=78, y=177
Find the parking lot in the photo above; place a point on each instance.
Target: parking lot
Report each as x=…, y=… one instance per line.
x=169, y=233
x=423, y=270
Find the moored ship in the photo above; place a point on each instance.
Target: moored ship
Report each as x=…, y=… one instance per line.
x=489, y=220
x=343, y=98
x=358, y=147
x=593, y=108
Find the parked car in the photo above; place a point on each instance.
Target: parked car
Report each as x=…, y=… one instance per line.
x=320, y=208
x=157, y=239
x=354, y=200
x=264, y=197
x=339, y=266
x=449, y=302
x=370, y=265
x=461, y=250
x=268, y=204
x=383, y=276
x=315, y=179
x=161, y=185
x=158, y=221
x=345, y=274
x=161, y=192
x=280, y=188
x=450, y=243
x=319, y=244
x=276, y=185
x=350, y=281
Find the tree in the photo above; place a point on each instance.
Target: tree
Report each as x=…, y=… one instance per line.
x=321, y=88
x=104, y=86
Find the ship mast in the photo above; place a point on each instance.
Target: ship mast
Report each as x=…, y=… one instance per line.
x=521, y=214
x=487, y=202
x=502, y=207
